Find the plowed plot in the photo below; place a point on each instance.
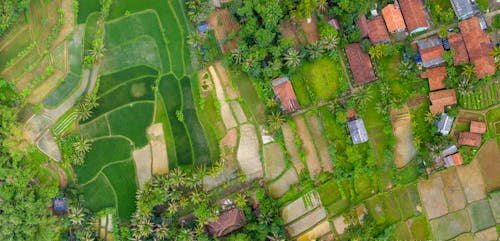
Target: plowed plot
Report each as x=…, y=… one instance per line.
x=248, y=152
x=472, y=181
x=291, y=148
x=279, y=187
x=401, y=125
x=317, y=131
x=313, y=165
x=317, y=232
x=489, y=161
x=453, y=190
x=480, y=215
x=433, y=196
x=142, y=158
x=274, y=163
x=306, y=222
x=451, y=225
x=223, y=25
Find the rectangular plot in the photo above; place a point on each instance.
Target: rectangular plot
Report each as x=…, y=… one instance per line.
x=317, y=129
x=306, y=222
x=433, y=196
x=291, y=148
x=132, y=121
x=405, y=203
x=175, y=35
x=75, y=50
x=313, y=165
x=98, y=194
x=94, y=129
x=110, y=81
x=453, y=190
x=480, y=215
x=85, y=9
x=451, y=225
x=90, y=30
x=419, y=228
x=472, y=181
x=61, y=92
x=299, y=207
x=122, y=178
x=162, y=117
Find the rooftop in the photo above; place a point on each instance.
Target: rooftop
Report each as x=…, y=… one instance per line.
x=436, y=77
x=469, y=139
x=393, y=18
x=457, y=43
x=453, y=160
x=359, y=61
x=227, y=222
x=477, y=127
x=414, y=15
x=358, y=131
x=431, y=50
x=478, y=47
x=441, y=99
x=283, y=90
x=463, y=8
x=377, y=32
x=362, y=24
x=444, y=124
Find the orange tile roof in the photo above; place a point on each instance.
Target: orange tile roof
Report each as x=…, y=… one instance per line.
x=478, y=47
x=359, y=61
x=377, y=31
x=469, y=139
x=413, y=13
x=436, y=77
x=283, y=89
x=460, y=54
x=393, y=18
x=477, y=127
x=441, y=99
x=432, y=55
x=362, y=24
x=457, y=159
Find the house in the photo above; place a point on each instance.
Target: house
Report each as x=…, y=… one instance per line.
x=457, y=43
x=377, y=32
x=362, y=24
x=414, y=15
x=453, y=160
x=359, y=61
x=283, y=91
x=435, y=77
x=203, y=27
x=227, y=222
x=59, y=206
x=477, y=127
x=442, y=99
x=463, y=8
x=393, y=18
x=444, y=124
x=469, y=139
x=358, y=131
x=431, y=50
x=478, y=47
x=451, y=149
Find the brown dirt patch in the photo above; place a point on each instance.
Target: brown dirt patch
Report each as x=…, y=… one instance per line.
x=317, y=232
x=453, y=190
x=223, y=25
x=467, y=117
x=231, y=139
x=404, y=150
x=291, y=148
x=310, y=29
x=472, y=181
x=487, y=234
x=306, y=222
x=301, y=32
x=416, y=101
x=489, y=161
x=298, y=207
x=340, y=224
x=288, y=30
x=25, y=81
x=274, y=163
x=317, y=129
x=69, y=22
x=312, y=161
x=433, y=197
x=248, y=154
x=48, y=145
x=279, y=187
x=142, y=158
x=45, y=88
x=158, y=149
x=225, y=110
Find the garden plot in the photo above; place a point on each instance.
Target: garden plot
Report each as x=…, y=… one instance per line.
x=306, y=222
x=317, y=129
x=158, y=149
x=274, y=163
x=224, y=25
x=226, y=82
x=36, y=125
x=313, y=165
x=472, y=181
x=225, y=110
x=291, y=148
x=142, y=159
x=453, y=190
x=451, y=225
x=320, y=230
x=404, y=150
x=495, y=205
x=299, y=207
x=480, y=215
x=280, y=186
x=248, y=154
x=42, y=90
x=488, y=158
x=487, y=234
x=433, y=197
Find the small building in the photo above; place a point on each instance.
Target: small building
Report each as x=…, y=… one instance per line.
x=361, y=66
x=463, y=8
x=203, y=27
x=283, y=91
x=451, y=149
x=358, y=131
x=435, y=77
x=457, y=43
x=431, y=50
x=478, y=46
x=362, y=24
x=414, y=15
x=59, y=206
x=453, y=160
x=442, y=99
x=444, y=124
x=393, y=18
x=229, y=221
x=377, y=32
x=469, y=139
x=477, y=127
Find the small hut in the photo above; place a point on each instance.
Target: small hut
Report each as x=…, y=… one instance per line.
x=229, y=221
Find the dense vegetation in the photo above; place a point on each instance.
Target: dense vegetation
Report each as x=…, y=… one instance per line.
x=10, y=11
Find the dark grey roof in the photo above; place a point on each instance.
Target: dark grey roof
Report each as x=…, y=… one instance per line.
x=444, y=124
x=448, y=161
x=280, y=81
x=451, y=149
x=433, y=62
x=428, y=43
x=60, y=205
x=463, y=8
x=358, y=131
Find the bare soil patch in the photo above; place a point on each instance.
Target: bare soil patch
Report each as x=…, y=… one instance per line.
x=231, y=139
x=433, y=197
x=306, y=222
x=291, y=148
x=451, y=225
x=299, y=207
x=404, y=150
x=23, y=82
x=416, y=101
x=472, y=181
x=225, y=110
x=225, y=81
x=453, y=190
x=69, y=22
x=35, y=127
x=248, y=154
x=158, y=149
x=274, y=162
x=279, y=187
x=313, y=164
x=223, y=24
x=489, y=161
x=340, y=224
x=142, y=159
x=317, y=129
x=238, y=112
x=487, y=234
x=48, y=145
x=310, y=29
x=317, y=232
x=288, y=30
x=229, y=172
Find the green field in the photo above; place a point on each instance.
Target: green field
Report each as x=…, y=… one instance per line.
x=483, y=97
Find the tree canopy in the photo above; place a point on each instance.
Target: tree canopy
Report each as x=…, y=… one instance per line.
x=10, y=10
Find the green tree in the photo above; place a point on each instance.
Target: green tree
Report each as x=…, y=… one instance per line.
x=292, y=58
x=376, y=52
x=304, y=9
x=468, y=70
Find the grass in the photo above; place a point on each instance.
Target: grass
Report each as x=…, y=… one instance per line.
x=162, y=117
x=98, y=194
x=481, y=98
x=122, y=178
x=75, y=52
x=247, y=91
x=401, y=232
x=329, y=192
x=97, y=128
x=85, y=9
x=58, y=95
x=451, y=225
x=480, y=215
x=419, y=228
x=109, y=81
x=405, y=202
x=132, y=121
x=90, y=30
x=408, y=173
x=492, y=118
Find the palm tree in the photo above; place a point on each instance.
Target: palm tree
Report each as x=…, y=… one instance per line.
x=161, y=232
x=241, y=200
x=275, y=120
x=83, y=112
x=429, y=117
x=468, y=70
x=76, y=215
x=177, y=177
x=329, y=42
x=197, y=197
x=381, y=108
x=91, y=100
x=362, y=97
x=217, y=167
x=314, y=51
x=465, y=88
x=194, y=39
x=237, y=56
x=376, y=52
x=292, y=58
x=334, y=104
x=496, y=54
x=406, y=68
x=82, y=145
x=417, y=140
x=275, y=237
x=322, y=5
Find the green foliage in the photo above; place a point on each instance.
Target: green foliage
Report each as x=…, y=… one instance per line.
x=11, y=10
x=496, y=21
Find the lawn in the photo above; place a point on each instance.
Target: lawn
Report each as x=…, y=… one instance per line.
x=132, y=121
x=122, y=178
x=481, y=98
x=318, y=81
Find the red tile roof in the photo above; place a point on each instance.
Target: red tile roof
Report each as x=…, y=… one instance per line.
x=457, y=43
x=469, y=139
x=441, y=99
x=457, y=159
x=227, y=222
x=413, y=13
x=362, y=24
x=436, y=77
x=283, y=90
x=393, y=18
x=477, y=127
x=432, y=55
x=377, y=31
x=478, y=47
x=359, y=61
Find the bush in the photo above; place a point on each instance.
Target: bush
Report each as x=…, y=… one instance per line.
x=496, y=21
